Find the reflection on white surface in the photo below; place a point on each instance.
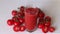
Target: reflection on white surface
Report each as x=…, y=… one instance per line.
x=50, y=7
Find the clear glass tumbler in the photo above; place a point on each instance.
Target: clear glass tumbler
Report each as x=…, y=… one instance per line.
x=31, y=15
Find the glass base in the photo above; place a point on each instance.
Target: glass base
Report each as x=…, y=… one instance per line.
x=30, y=31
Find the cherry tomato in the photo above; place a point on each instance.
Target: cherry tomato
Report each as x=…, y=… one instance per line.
x=16, y=28
x=10, y=22
x=14, y=12
x=51, y=29
x=22, y=28
x=45, y=29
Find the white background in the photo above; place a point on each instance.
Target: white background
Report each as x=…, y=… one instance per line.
x=50, y=7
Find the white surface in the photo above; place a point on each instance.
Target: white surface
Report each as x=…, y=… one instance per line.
x=50, y=7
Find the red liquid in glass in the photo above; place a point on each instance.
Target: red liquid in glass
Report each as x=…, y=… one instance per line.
x=31, y=18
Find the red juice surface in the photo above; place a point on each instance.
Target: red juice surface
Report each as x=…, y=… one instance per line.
x=31, y=18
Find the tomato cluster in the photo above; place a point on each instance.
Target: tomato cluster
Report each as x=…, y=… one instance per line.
x=17, y=20
x=45, y=23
